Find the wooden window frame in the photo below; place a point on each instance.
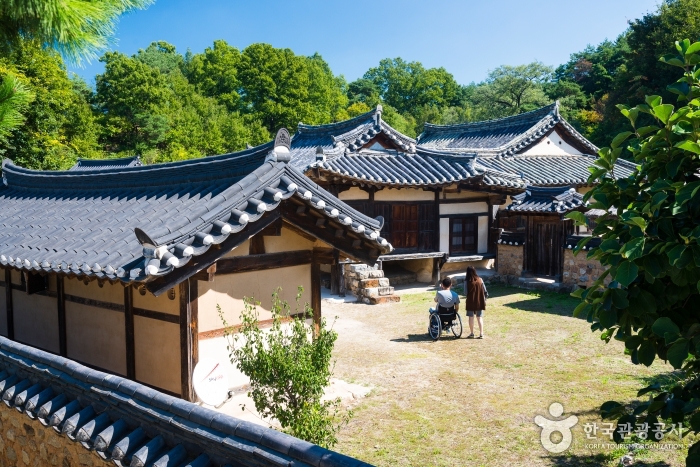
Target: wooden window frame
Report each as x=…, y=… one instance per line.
x=462, y=218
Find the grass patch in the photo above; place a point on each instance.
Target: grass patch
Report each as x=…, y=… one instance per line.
x=460, y=402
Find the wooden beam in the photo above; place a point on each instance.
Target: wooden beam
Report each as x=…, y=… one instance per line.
x=203, y=261
x=257, y=245
x=8, y=305
x=61, y=304
x=316, y=296
x=189, y=337
x=250, y=263
x=129, y=331
x=325, y=255
x=335, y=274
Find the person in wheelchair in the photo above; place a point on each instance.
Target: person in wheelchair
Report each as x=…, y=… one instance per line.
x=447, y=302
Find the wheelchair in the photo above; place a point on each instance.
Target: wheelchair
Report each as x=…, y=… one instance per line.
x=444, y=320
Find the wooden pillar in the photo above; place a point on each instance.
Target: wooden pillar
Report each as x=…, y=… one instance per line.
x=335, y=274
x=341, y=279
x=436, y=272
x=8, y=304
x=129, y=331
x=490, y=226
x=189, y=336
x=316, y=294
x=61, y=304
x=436, y=230
x=257, y=245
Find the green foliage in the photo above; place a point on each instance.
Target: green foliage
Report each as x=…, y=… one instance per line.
x=510, y=90
x=76, y=28
x=59, y=125
x=652, y=247
x=149, y=107
x=289, y=368
x=14, y=100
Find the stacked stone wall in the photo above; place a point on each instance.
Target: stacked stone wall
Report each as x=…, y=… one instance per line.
x=26, y=442
x=510, y=260
x=581, y=271
x=368, y=284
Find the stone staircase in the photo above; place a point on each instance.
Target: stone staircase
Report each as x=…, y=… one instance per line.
x=369, y=285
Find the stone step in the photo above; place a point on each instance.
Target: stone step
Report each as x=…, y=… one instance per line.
x=367, y=283
x=376, y=291
x=383, y=299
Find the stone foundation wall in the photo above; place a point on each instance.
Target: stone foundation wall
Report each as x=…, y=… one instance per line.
x=510, y=260
x=581, y=271
x=26, y=442
x=368, y=284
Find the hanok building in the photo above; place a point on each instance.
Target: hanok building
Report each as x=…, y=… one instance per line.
x=439, y=194
x=121, y=266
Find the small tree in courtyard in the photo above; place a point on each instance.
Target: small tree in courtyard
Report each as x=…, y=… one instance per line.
x=289, y=366
x=652, y=251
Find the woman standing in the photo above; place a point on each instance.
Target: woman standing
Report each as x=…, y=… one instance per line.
x=476, y=294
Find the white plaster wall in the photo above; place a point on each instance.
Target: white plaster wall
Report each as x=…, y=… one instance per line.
x=404, y=194
x=445, y=235
x=162, y=303
x=229, y=290
x=111, y=293
x=287, y=241
x=463, y=195
x=482, y=225
x=96, y=336
x=36, y=320
x=552, y=145
x=241, y=250
x=157, y=353
x=354, y=193
x=463, y=208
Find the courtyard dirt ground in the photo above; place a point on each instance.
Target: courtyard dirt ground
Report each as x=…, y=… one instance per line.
x=472, y=402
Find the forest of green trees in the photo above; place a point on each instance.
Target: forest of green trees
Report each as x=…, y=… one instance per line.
x=166, y=105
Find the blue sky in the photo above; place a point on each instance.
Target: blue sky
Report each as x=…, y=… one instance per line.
x=468, y=37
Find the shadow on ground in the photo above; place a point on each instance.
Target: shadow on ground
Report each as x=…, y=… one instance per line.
x=598, y=459
x=553, y=303
x=420, y=338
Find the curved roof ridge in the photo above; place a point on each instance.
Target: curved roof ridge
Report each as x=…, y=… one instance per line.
x=87, y=164
x=504, y=121
x=303, y=127
x=225, y=166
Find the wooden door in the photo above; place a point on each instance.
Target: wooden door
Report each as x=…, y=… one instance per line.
x=463, y=235
x=544, y=247
x=404, y=226
x=427, y=232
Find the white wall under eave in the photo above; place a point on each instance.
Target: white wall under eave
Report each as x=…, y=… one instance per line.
x=483, y=238
x=354, y=193
x=463, y=208
x=445, y=234
x=552, y=145
x=404, y=194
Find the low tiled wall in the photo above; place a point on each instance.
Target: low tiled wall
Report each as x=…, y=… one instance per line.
x=58, y=412
x=510, y=260
x=581, y=271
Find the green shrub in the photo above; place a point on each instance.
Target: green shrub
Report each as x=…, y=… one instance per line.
x=289, y=367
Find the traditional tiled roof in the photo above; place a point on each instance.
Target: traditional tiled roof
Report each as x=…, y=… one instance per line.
x=130, y=424
x=551, y=170
x=83, y=222
x=422, y=168
x=503, y=136
x=313, y=142
x=91, y=164
x=557, y=200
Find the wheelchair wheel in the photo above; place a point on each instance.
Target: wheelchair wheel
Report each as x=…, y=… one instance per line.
x=434, y=326
x=457, y=326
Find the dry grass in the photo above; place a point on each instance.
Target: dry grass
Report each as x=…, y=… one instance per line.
x=472, y=402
